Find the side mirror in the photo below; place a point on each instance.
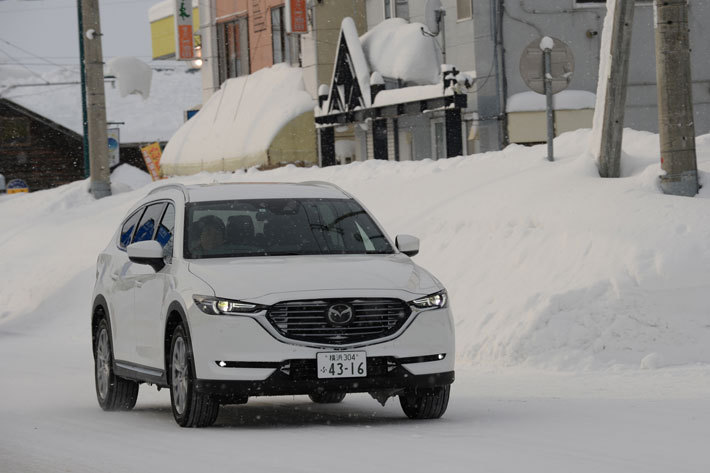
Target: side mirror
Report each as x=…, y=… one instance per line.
x=147, y=252
x=407, y=244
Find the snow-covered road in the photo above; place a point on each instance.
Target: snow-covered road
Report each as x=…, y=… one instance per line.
x=506, y=420
x=582, y=334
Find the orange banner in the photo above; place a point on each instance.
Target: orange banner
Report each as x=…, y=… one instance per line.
x=186, y=50
x=151, y=156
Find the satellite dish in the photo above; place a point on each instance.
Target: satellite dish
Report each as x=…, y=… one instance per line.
x=432, y=16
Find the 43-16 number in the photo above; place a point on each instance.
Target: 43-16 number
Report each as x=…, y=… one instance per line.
x=338, y=369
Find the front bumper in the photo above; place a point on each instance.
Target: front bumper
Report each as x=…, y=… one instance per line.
x=254, y=353
x=299, y=377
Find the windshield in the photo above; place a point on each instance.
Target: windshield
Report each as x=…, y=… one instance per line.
x=272, y=227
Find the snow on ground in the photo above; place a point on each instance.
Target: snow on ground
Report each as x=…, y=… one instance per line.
x=581, y=307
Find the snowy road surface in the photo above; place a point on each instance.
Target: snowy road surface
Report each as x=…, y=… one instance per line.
x=513, y=420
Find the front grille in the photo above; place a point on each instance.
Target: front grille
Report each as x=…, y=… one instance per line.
x=307, y=321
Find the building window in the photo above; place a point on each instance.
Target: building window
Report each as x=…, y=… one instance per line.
x=14, y=132
x=464, y=9
x=285, y=47
x=396, y=9
x=590, y=3
x=233, y=48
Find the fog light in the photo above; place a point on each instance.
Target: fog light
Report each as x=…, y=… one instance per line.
x=222, y=364
x=441, y=356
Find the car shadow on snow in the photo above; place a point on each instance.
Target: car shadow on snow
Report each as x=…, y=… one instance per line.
x=297, y=412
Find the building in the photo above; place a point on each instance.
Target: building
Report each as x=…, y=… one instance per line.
x=41, y=132
x=238, y=40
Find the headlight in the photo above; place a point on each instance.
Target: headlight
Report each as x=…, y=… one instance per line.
x=433, y=301
x=216, y=306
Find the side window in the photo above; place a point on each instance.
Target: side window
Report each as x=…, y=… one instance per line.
x=164, y=236
x=146, y=227
x=128, y=228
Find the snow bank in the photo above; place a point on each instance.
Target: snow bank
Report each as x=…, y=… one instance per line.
x=398, y=49
x=239, y=122
x=133, y=75
x=566, y=100
x=145, y=120
x=540, y=271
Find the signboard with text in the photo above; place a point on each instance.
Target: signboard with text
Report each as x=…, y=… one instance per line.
x=184, y=47
x=151, y=156
x=296, y=16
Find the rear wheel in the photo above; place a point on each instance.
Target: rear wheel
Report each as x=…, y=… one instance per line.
x=327, y=397
x=113, y=393
x=428, y=403
x=190, y=408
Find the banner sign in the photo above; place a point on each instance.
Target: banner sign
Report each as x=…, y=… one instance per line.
x=184, y=47
x=151, y=156
x=114, y=147
x=296, y=17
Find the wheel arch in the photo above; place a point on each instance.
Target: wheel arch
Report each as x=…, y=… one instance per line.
x=100, y=311
x=176, y=316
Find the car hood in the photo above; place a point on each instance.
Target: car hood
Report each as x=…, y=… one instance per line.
x=267, y=280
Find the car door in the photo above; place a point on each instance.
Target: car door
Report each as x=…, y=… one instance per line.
x=150, y=291
x=121, y=294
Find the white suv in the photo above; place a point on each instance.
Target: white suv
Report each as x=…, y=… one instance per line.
x=226, y=291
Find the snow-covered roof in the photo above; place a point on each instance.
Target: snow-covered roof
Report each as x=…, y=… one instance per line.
x=241, y=119
x=566, y=100
x=398, y=49
x=153, y=119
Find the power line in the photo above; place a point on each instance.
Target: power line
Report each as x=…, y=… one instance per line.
x=30, y=70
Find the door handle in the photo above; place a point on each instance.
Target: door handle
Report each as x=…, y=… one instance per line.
x=114, y=276
x=139, y=284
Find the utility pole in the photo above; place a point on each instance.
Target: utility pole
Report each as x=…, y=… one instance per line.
x=96, y=100
x=615, y=99
x=675, y=102
x=84, y=119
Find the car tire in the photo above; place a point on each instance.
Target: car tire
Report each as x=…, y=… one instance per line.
x=428, y=403
x=327, y=397
x=190, y=408
x=113, y=392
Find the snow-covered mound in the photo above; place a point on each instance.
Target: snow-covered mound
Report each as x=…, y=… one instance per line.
x=547, y=264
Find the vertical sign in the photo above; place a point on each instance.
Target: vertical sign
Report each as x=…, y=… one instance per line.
x=296, y=17
x=184, y=49
x=114, y=150
x=151, y=156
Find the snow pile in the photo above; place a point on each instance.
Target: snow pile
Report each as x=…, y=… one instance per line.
x=547, y=265
x=566, y=100
x=238, y=123
x=133, y=75
x=398, y=49
x=144, y=120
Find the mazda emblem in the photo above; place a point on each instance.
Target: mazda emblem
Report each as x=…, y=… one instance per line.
x=340, y=314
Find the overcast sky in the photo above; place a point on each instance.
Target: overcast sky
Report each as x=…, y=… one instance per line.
x=48, y=29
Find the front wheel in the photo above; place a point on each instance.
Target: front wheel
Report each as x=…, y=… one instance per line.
x=190, y=408
x=113, y=392
x=428, y=403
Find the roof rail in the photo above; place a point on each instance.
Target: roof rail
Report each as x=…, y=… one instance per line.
x=324, y=184
x=180, y=187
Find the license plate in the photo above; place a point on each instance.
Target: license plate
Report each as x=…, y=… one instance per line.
x=342, y=364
